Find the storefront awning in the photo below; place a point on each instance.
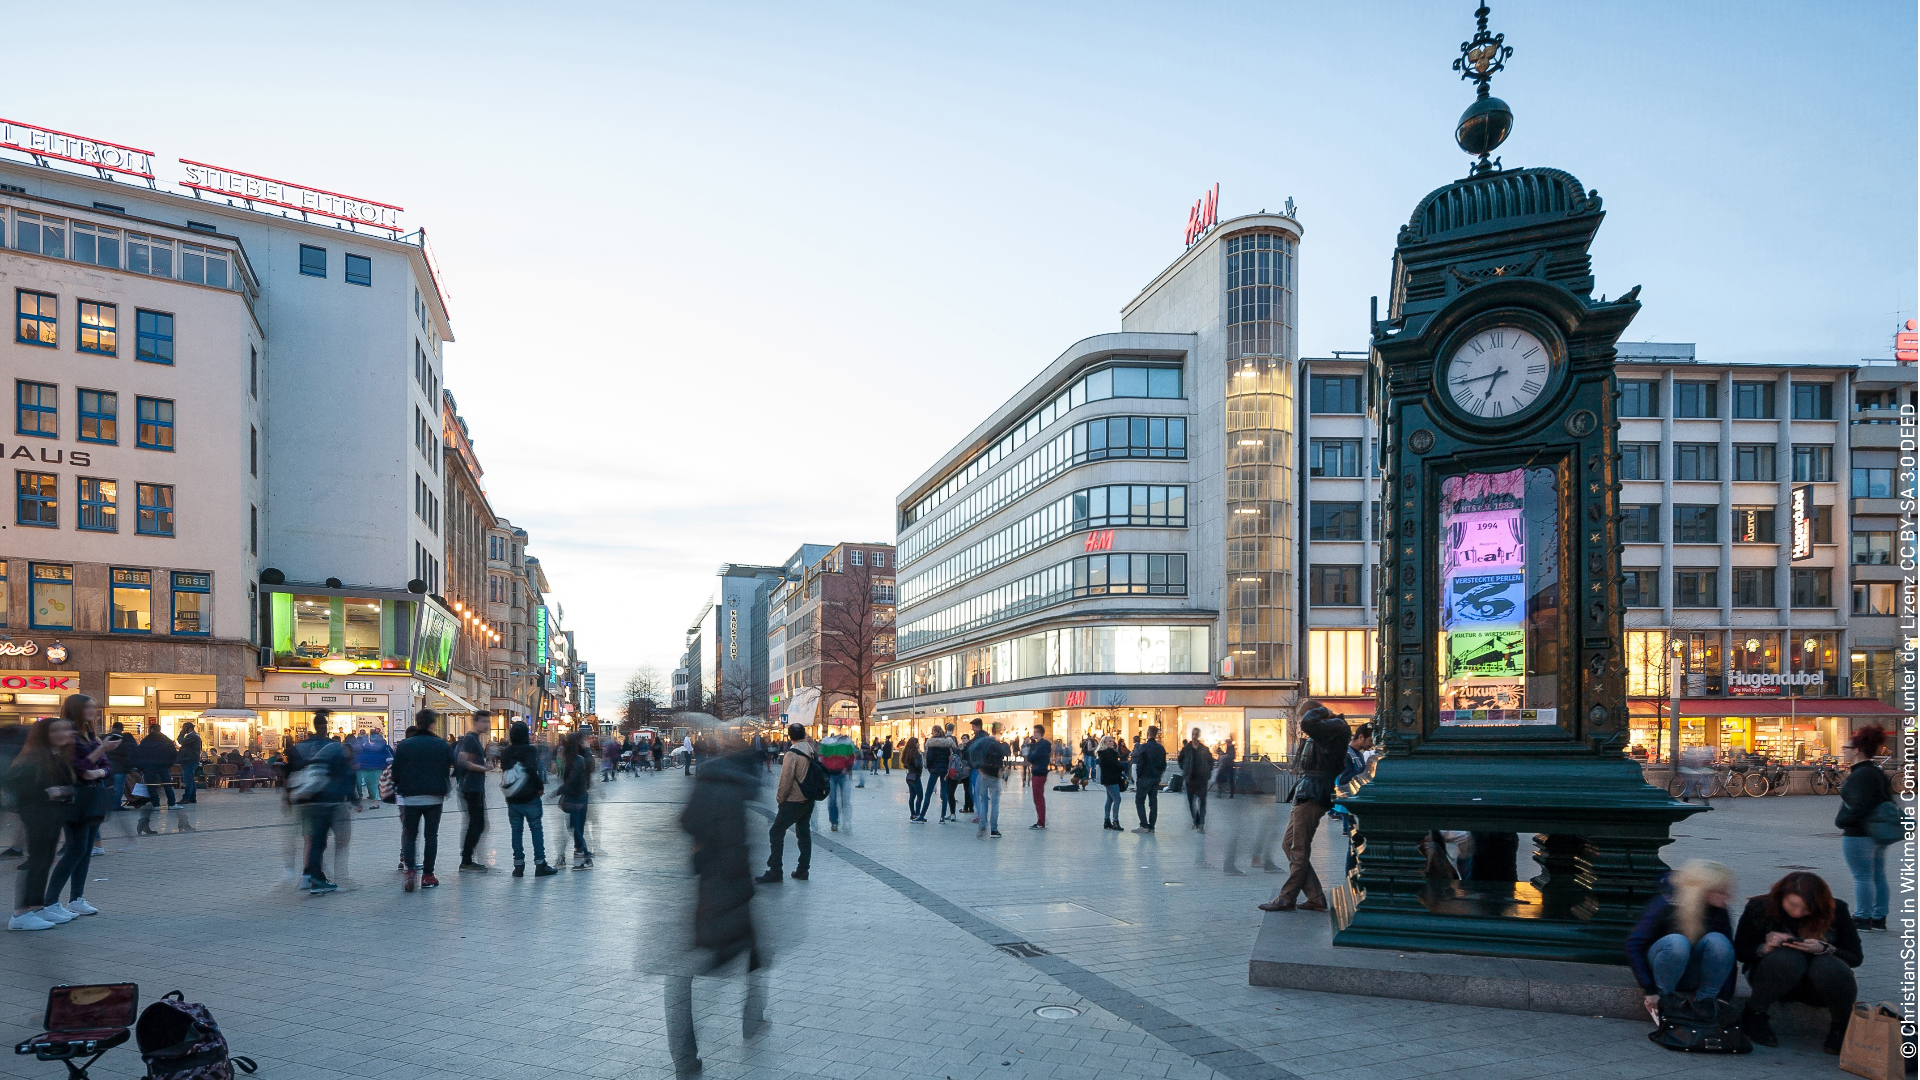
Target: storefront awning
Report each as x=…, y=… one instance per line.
x=447, y=701
x=229, y=714
x=1359, y=709
x=1757, y=706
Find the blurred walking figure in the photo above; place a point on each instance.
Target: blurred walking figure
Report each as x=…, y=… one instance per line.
x=988, y=756
x=470, y=765
x=716, y=819
x=92, y=796
x=576, y=779
x=686, y=754
x=422, y=765
x=190, y=747
x=1325, y=757
x=610, y=760
x=319, y=783
x=1196, y=764
x=837, y=754
x=370, y=758
x=801, y=776
x=42, y=781
x=1112, y=772
x=155, y=757
x=522, y=785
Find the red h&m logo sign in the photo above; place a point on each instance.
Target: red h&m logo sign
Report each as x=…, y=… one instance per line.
x=1214, y=697
x=1101, y=540
x=1076, y=699
x=980, y=706
x=1204, y=215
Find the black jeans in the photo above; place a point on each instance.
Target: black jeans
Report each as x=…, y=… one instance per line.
x=43, y=825
x=1790, y=975
x=799, y=817
x=916, y=799
x=410, y=819
x=476, y=804
x=75, y=859
x=1197, y=801
x=1146, y=802
x=947, y=788
x=322, y=819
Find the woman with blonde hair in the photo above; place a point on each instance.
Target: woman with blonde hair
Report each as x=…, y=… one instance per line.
x=1684, y=942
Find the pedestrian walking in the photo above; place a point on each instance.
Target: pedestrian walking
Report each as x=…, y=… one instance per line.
x=156, y=756
x=865, y=763
x=686, y=754
x=802, y=773
x=319, y=783
x=917, y=792
x=1683, y=943
x=422, y=768
x=120, y=749
x=91, y=799
x=190, y=747
x=1111, y=774
x=1797, y=943
x=940, y=749
x=42, y=782
x=1149, y=764
x=837, y=754
x=609, y=760
x=1223, y=774
x=1865, y=794
x=522, y=785
x=1696, y=771
x=1323, y=759
x=575, y=788
x=716, y=819
x=1039, y=755
x=1196, y=764
x=369, y=761
x=656, y=748
x=963, y=770
x=988, y=756
x=886, y=756
x=470, y=767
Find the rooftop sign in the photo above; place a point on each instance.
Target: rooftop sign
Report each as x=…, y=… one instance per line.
x=307, y=200
x=78, y=149
x=1204, y=215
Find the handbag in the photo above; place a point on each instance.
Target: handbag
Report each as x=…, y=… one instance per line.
x=1873, y=1047
x=92, y=802
x=1886, y=824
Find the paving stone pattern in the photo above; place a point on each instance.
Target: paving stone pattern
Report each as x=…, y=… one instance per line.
x=887, y=963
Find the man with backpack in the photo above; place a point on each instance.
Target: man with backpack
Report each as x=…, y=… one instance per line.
x=1039, y=755
x=803, y=782
x=320, y=781
x=838, y=755
x=1322, y=758
x=1149, y=764
x=988, y=757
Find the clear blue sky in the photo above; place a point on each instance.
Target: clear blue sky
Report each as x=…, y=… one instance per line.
x=725, y=278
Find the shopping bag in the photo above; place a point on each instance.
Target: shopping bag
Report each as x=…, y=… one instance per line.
x=1873, y=1048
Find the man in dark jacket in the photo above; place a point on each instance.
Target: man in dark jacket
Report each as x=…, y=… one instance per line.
x=156, y=757
x=422, y=764
x=1196, y=766
x=1326, y=756
x=470, y=765
x=1149, y=764
x=189, y=762
x=716, y=819
x=1039, y=755
x=120, y=760
x=523, y=801
x=320, y=781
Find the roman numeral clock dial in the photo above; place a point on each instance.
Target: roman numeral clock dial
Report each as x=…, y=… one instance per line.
x=1497, y=372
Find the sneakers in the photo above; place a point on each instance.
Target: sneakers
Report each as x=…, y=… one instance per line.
x=799, y=875
x=322, y=887
x=1036, y=825
x=771, y=877
x=995, y=834
x=543, y=870
x=1758, y=1028
x=1143, y=830
x=470, y=867
x=80, y=907
x=411, y=883
x=981, y=833
x=29, y=921
x=428, y=881
x=836, y=827
x=583, y=862
x=54, y=913
x=98, y=850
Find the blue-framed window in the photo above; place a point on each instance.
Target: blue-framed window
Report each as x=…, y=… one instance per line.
x=99, y=328
x=99, y=504
x=155, y=505
x=51, y=600
x=36, y=409
x=156, y=423
x=36, y=499
x=39, y=321
x=99, y=416
x=313, y=260
x=193, y=604
x=359, y=270
x=154, y=336
x=132, y=601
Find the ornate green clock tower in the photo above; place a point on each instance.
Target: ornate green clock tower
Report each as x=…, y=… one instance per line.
x=1501, y=691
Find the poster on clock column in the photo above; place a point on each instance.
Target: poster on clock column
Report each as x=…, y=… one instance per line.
x=1483, y=602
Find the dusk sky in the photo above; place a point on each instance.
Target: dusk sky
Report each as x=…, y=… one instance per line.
x=726, y=278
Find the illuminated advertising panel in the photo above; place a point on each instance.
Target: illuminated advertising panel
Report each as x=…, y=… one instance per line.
x=1801, y=509
x=1487, y=596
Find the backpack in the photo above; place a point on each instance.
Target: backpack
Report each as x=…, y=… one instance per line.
x=958, y=767
x=995, y=757
x=1700, y=1027
x=388, y=793
x=813, y=783
x=179, y=1041
x=514, y=781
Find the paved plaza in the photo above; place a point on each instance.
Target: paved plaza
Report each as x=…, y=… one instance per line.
x=914, y=950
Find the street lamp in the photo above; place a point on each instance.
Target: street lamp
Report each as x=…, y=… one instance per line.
x=337, y=665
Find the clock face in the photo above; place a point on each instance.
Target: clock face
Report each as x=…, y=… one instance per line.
x=1498, y=372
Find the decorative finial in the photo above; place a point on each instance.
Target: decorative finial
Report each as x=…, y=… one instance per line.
x=1487, y=122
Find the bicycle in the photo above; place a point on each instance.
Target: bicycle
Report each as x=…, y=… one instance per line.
x=1825, y=778
x=1769, y=778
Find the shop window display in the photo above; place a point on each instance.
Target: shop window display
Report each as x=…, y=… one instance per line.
x=375, y=633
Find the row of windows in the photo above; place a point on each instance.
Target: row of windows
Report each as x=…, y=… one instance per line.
x=1092, y=508
x=1259, y=287
x=1752, y=586
x=50, y=599
x=313, y=263
x=101, y=245
x=1640, y=524
x=1701, y=400
x=37, y=503
x=425, y=566
x=37, y=322
x=426, y=504
x=1118, y=381
x=1077, y=650
x=1089, y=575
x=1337, y=457
x=1339, y=520
x=1334, y=394
x=1701, y=461
x=858, y=557
x=37, y=413
x=426, y=439
x=1092, y=440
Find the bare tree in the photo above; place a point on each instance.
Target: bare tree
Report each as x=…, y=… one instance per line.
x=643, y=697
x=738, y=696
x=856, y=636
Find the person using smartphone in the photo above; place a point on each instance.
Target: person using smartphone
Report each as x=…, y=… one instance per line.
x=1798, y=943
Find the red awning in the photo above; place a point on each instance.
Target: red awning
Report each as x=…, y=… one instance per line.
x=1354, y=708
x=1765, y=706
